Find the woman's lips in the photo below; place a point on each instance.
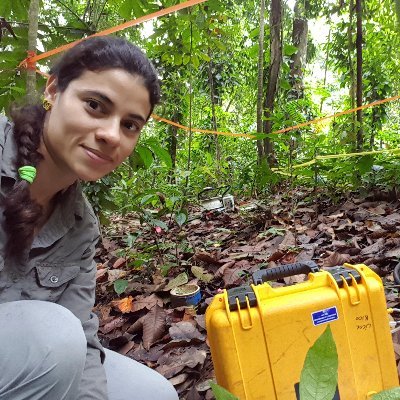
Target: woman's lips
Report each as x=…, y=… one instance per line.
x=97, y=155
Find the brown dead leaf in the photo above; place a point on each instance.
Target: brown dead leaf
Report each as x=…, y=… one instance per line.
x=174, y=361
x=288, y=241
x=126, y=348
x=123, y=305
x=178, y=379
x=379, y=210
x=372, y=226
x=114, y=324
x=222, y=269
x=277, y=255
x=101, y=275
x=335, y=216
x=234, y=276
x=185, y=331
x=374, y=248
x=207, y=258
x=395, y=253
x=288, y=258
x=389, y=221
x=327, y=229
x=335, y=259
x=144, y=301
x=114, y=274
x=154, y=326
x=121, y=262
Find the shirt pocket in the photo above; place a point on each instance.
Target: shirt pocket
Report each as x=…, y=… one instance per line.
x=51, y=281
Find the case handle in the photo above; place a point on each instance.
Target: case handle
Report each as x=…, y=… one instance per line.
x=284, y=271
x=219, y=191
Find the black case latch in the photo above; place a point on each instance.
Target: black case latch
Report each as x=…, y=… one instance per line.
x=339, y=273
x=241, y=293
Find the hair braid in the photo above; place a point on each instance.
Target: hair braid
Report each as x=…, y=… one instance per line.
x=22, y=214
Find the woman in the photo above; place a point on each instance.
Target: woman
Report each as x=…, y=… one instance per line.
x=97, y=100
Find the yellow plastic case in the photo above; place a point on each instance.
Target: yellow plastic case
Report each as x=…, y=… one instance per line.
x=259, y=336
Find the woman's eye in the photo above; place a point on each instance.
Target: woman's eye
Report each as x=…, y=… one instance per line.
x=94, y=105
x=131, y=126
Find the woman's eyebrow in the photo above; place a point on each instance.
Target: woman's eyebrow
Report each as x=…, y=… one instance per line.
x=102, y=96
x=107, y=100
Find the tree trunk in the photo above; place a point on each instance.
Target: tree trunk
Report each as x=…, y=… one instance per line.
x=173, y=143
x=260, y=81
x=352, y=73
x=359, y=40
x=275, y=23
x=33, y=16
x=213, y=116
x=299, y=40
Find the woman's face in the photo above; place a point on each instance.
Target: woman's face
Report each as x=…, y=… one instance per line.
x=95, y=123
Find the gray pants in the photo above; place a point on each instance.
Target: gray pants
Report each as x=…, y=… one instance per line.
x=43, y=352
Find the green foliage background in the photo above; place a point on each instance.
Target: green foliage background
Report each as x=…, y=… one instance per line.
x=220, y=40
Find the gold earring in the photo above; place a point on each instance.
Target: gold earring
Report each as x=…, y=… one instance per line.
x=47, y=105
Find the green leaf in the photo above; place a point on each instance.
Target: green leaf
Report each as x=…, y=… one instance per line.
x=391, y=394
x=146, y=199
x=180, y=280
x=202, y=274
x=289, y=49
x=220, y=393
x=195, y=61
x=365, y=163
x=161, y=224
x=126, y=10
x=205, y=57
x=180, y=218
x=161, y=153
x=284, y=84
x=318, y=379
x=138, y=8
x=177, y=58
x=120, y=285
x=145, y=154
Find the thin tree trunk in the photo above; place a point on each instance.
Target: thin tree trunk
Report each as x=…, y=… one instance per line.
x=299, y=40
x=273, y=73
x=173, y=143
x=326, y=65
x=352, y=73
x=359, y=40
x=260, y=81
x=33, y=16
x=213, y=116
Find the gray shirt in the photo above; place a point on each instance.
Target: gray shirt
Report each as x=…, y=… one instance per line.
x=59, y=267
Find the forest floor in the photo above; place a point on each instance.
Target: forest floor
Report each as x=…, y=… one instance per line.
x=217, y=250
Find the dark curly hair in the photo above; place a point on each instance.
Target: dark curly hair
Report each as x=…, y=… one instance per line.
x=22, y=214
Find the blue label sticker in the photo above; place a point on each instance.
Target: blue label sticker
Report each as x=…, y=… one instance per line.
x=323, y=316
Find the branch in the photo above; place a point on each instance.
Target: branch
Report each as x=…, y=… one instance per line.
x=74, y=13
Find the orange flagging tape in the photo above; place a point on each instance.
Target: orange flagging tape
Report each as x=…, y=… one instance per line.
x=316, y=121
x=32, y=60
x=291, y=128
x=158, y=118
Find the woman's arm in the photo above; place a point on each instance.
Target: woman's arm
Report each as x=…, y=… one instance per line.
x=79, y=297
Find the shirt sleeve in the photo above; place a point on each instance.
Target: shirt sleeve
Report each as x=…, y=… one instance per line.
x=79, y=298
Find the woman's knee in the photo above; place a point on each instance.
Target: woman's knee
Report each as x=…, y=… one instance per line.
x=129, y=380
x=32, y=329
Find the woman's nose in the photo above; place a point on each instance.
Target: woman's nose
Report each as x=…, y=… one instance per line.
x=109, y=132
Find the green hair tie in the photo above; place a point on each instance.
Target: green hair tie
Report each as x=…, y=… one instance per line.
x=27, y=173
